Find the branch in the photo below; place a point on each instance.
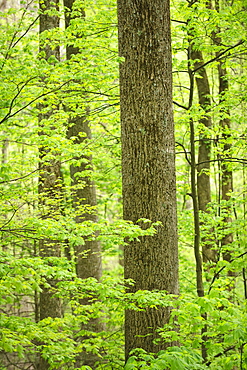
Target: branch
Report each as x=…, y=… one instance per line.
x=20, y=142
x=232, y=159
x=11, y=218
x=218, y=56
x=19, y=178
x=177, y=21
x=181, y=87
x=37, y=169
x=216, y=275
x=105, y=128
x=15, y=97
x=24, y=34
x=184, y=151
x=221, y=353
x=12, y=43
x=74, y=90
x=102, y=108
x=180, y=105
x=9, y=115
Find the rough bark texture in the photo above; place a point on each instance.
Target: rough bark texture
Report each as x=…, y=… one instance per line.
x=209, y=252
x=195, y=197
x=226, y=176
x=49, y=187
x=88, y=256
x=83, y=188
x=148, y=159
x=84, y=194
x=226, y=171
x=88, y=263
x=204, y=149
x=48, y=22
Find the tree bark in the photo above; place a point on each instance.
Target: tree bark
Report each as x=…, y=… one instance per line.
x=88, y=256
x=200, y=184
x=49, y=183
x=209, y=253
x=226, y=171
x=148, y=160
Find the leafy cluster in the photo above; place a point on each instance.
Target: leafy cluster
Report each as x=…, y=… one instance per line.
x=39, y=92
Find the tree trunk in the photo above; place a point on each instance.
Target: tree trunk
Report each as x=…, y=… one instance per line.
x=148, y=157
x=3, y=4
x=49, y=186
x=4, y=159
x=226, y=171
x=88, y=256
x=204, y=149
x=209, y=253
x=225, y=167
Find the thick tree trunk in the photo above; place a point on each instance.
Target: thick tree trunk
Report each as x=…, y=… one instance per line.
x=88, y=256
x=148, y=159
x=49, y=187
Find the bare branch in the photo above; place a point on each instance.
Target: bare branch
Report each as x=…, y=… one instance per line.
x=216, y=275
x=180, y=105
x=218, y=56
x=19, y=178
x=24, y=34
x=10, y=115
x=184, y=151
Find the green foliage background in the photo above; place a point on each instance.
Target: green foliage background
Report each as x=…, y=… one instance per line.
x=90, y=81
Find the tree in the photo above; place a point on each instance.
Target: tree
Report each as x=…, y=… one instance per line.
x=40, y=98
x=88, y=255
x=204, y=145
x=49, y=185
x=226, y=175
x=148, y=160
x=83, y=187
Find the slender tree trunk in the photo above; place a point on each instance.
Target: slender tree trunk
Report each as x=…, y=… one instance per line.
x=49, y=187
x=148, y=166
x=225, y=167
x=226, y=171
x=209, y=253
x=4, y=159
x=88, y=256
x=88, y=263
x=195, y=199
x=204, y=149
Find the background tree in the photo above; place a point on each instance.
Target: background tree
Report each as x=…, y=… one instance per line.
x=50, y=179
x=225, y=148
x=88, y=255
x=204, y=144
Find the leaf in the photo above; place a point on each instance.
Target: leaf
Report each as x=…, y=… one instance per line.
x=131, y=363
